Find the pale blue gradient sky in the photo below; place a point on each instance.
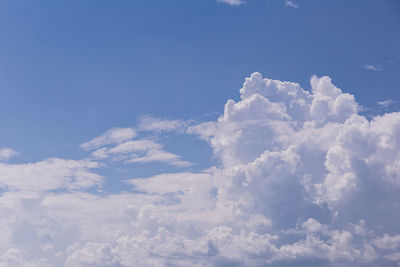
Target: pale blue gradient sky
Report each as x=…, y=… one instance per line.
x=69, y=70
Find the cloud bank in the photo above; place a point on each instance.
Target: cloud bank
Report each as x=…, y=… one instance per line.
x=303, y=180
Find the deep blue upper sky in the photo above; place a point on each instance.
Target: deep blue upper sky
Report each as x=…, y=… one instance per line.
x=69, y=70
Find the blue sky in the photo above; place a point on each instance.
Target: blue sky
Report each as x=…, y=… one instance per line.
x=163, y=133
x=72, y=69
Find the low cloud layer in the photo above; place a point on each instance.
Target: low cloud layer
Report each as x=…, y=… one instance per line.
x=302, y=180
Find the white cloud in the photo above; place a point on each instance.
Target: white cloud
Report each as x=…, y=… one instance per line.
x=386, y=103
x=140, y=151
x=50, y=174
x=7, y=153
x=370, y=67
x=135, y=146
x=393, y=257
x=149, y=123
x=388, y=242
x=112, y=136
x=291, y=4
x=136, y=151
x=231, y=2
x=303, y=180
x=159, y=155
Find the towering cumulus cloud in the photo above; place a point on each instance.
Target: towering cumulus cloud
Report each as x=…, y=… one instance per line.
x=303, y=180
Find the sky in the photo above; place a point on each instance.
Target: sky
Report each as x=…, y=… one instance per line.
x=200, y=133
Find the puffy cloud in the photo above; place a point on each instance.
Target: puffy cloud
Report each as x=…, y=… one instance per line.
x=93, y=254
x=112, y=136
x=302, y=180
x=293, y=155
x=388, y=242
x=50, y=174
x=7, y=153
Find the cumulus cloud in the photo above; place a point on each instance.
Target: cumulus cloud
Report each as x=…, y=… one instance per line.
x=7, y=153
x=112, y=136
x=50, y=174
x=388, y=242
x=302, y=180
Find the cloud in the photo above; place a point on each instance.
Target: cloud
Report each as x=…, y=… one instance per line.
x=136, y=151
x=7, y=153
x=156, y=155
x=149, y=123
x=195, y=183
x=140, y=151
x=231, y=2
x=50, y=174
x=112, y=136
x=386, y=103
x=291, y=4
x=302, y=180
x=371, y=67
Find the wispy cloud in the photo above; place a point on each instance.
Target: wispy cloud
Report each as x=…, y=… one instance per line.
x=7, y=153
x=231, y=2
x=386, y=103
x=139, y=151
x=149, y=123
x=159, y=155
x=112, y=136
x=291, y=4
x=370, y=67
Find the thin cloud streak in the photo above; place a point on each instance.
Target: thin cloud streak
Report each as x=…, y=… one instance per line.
x=370, y=67
x=291, y=4
x=232, y=2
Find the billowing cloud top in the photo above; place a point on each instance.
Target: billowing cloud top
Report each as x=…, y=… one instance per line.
x=303, y=180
